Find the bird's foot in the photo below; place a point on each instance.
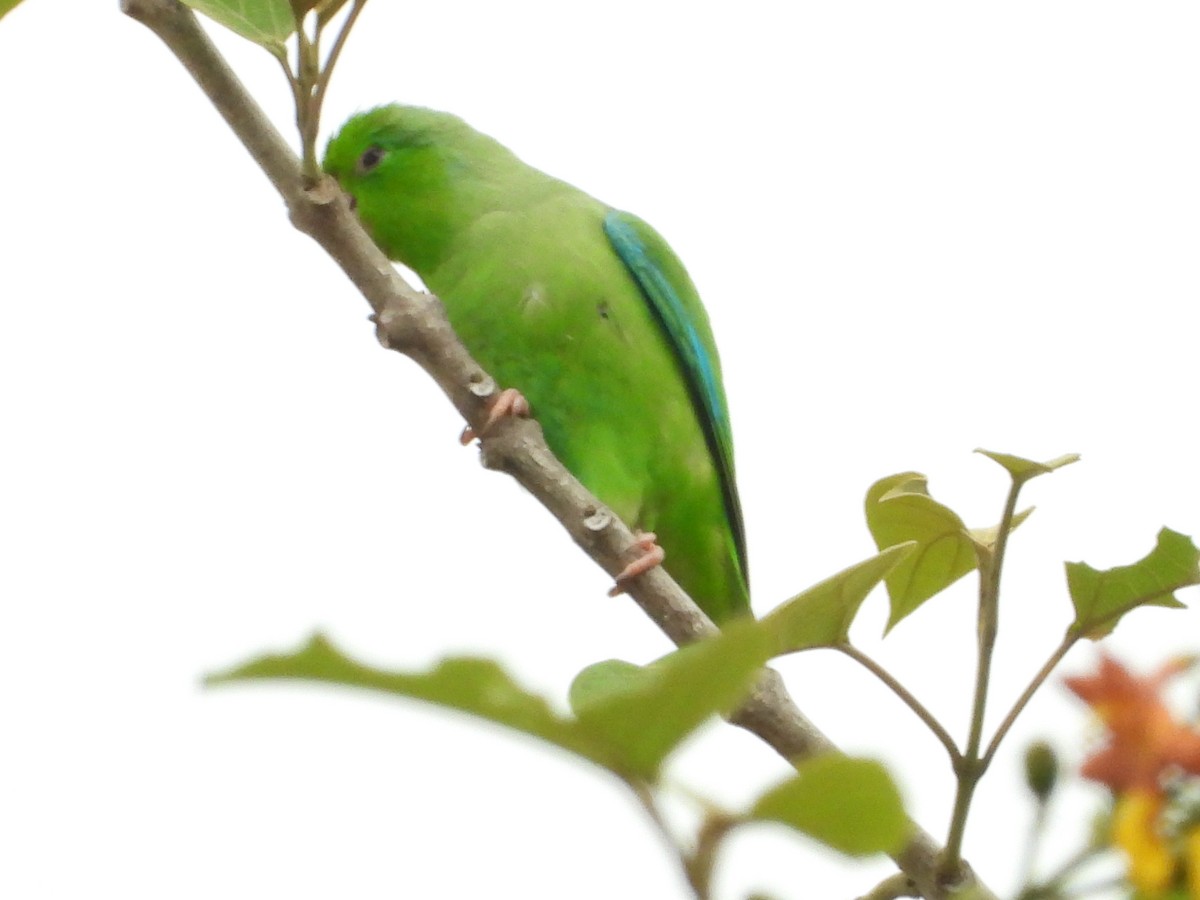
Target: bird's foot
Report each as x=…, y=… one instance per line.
x=651, y=555
x=509, y=402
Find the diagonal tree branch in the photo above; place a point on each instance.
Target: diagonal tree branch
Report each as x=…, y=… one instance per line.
x=413, y=323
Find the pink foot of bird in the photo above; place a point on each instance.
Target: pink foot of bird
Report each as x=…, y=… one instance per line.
x=651, y=555
x=509, y=402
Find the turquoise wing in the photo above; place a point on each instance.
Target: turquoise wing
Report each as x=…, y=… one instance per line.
x=673, y=299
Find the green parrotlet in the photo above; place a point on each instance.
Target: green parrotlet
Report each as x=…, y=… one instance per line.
x=582, y=309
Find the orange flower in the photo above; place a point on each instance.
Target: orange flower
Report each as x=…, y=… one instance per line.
x=1144, y=739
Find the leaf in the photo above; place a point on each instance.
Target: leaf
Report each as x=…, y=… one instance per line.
x=471, y=685
x=1102, y=597
x=1022, y=469
x=629, y=726
x=647, y=714
x=601, y=680
x=821, y=616
x=851, y=805
x=7, y=6
x=267, y=23
x=899, y=509
x=985, y=538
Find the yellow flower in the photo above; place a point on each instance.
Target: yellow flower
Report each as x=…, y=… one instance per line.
x=1136, y=831
x=1144, y=751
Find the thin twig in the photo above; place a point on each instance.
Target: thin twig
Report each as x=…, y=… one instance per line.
x=907, y=697
x=1055, y=658
x=971, y=768
x=307, y=115
x=1033, y=843
x=293, y=82
x=649, y=803
x=335, y=53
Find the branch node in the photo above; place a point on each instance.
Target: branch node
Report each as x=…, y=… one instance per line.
x=323, y=193
x=481, y=385
x=957, y=879
x=596, y=518
x=501, y=445
x=385, y=323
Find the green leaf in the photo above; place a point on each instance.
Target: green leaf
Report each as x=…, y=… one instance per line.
x=821, y=616
x=646, y=714
x=1022, y=469
x=628, y=724
x=603, y=679
x=985, y=538
x=1102, y=597
x=267, y=23
x=471, y=685
x=899, y=509
x=851, y=805
x=7, y=6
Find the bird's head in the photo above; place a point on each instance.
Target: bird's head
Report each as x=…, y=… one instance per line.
x=408, y=172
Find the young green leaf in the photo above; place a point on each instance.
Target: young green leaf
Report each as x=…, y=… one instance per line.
x=1022, y=469
x=1102, y=597
x=267, y=23
x=476, y=686
x=899, y=509
x=821, y=616
x=851, y=805
x=985, y=538
x=647, y=714
x=7, y=6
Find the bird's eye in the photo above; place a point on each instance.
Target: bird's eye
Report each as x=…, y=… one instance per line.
x=371, y=157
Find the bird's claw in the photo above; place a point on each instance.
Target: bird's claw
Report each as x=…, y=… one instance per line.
x=509, y=402
x=651, y=555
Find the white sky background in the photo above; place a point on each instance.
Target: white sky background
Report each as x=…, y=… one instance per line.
x=919, y=228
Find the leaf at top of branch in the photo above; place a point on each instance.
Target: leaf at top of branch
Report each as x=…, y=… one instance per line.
x=646, y=712
x=821, y=615
x=7, y=6
x=900, y=509
x=1102, y=597
x=477, y=686
x=851, y=805
x=1022, y=469
x=267, y=23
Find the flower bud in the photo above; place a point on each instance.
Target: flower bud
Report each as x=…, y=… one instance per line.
x=1041, y=769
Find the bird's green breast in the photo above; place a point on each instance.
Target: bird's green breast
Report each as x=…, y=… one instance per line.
x=543, y=303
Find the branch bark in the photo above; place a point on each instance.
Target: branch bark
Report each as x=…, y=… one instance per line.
x=414, y=323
